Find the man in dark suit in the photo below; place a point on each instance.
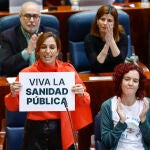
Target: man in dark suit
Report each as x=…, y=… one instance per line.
x=18, y=43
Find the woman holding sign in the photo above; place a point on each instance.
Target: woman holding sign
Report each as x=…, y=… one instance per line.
x=52, y=130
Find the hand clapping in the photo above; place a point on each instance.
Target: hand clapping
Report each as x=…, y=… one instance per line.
x=109, y=33
x=120, y=111
x=32, y=43
x=144, y=110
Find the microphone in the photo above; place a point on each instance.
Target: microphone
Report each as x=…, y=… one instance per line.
x=74, y=134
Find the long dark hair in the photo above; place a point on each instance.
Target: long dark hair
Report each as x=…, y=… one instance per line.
x=107, y=9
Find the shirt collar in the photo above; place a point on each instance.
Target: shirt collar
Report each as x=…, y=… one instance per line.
x=26, y=34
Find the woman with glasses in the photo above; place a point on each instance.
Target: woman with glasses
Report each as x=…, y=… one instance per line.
x=18, y=43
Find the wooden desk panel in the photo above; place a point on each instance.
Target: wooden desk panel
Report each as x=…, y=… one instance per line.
x=4, y=89
x=99, y=92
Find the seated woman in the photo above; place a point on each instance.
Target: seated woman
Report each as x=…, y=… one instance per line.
x=107, y=44
x=125, y=118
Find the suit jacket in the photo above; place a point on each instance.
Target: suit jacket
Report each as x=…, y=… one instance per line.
x=12, y=44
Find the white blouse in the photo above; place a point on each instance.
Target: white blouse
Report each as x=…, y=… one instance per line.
x=131, y=138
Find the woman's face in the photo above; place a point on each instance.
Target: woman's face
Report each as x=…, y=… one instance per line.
x=48, y=51
x=105, y=21
x=130, y=83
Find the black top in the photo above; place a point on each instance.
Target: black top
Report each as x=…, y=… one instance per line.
x=93, y=46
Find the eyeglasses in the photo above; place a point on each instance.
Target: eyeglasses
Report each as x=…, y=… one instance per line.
x=29, y=16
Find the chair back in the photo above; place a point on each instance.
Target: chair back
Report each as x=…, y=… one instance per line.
x=119, y=1
x=97, y=132
x=15, y=122
x=13, y=20
x=79, y=26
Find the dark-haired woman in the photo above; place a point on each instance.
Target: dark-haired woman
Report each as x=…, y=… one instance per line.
x=106, y=45
x=125, y=118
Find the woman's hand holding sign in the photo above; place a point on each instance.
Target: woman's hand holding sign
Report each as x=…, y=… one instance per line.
x=78, y=89
x=15, y=88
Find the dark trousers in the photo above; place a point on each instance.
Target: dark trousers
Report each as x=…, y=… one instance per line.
x=43, y=135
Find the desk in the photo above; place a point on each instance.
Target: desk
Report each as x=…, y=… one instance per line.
x=99, y=92
x=140, y=27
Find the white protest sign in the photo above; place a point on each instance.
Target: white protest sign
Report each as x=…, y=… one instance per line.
x=46, y=91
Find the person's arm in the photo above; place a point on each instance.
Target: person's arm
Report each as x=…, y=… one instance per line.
x=12, y=99
x=81, y=95
x=11, y=103
x=109, y=134
x=103, y=54
x=93, y=46
x=110, y=41
x=123, y=47
x=114, y=48
x=82, y=116
x=145, y=126
x=10, y=52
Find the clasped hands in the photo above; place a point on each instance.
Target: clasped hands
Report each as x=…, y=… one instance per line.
x=32, y=43
x=109, y=33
